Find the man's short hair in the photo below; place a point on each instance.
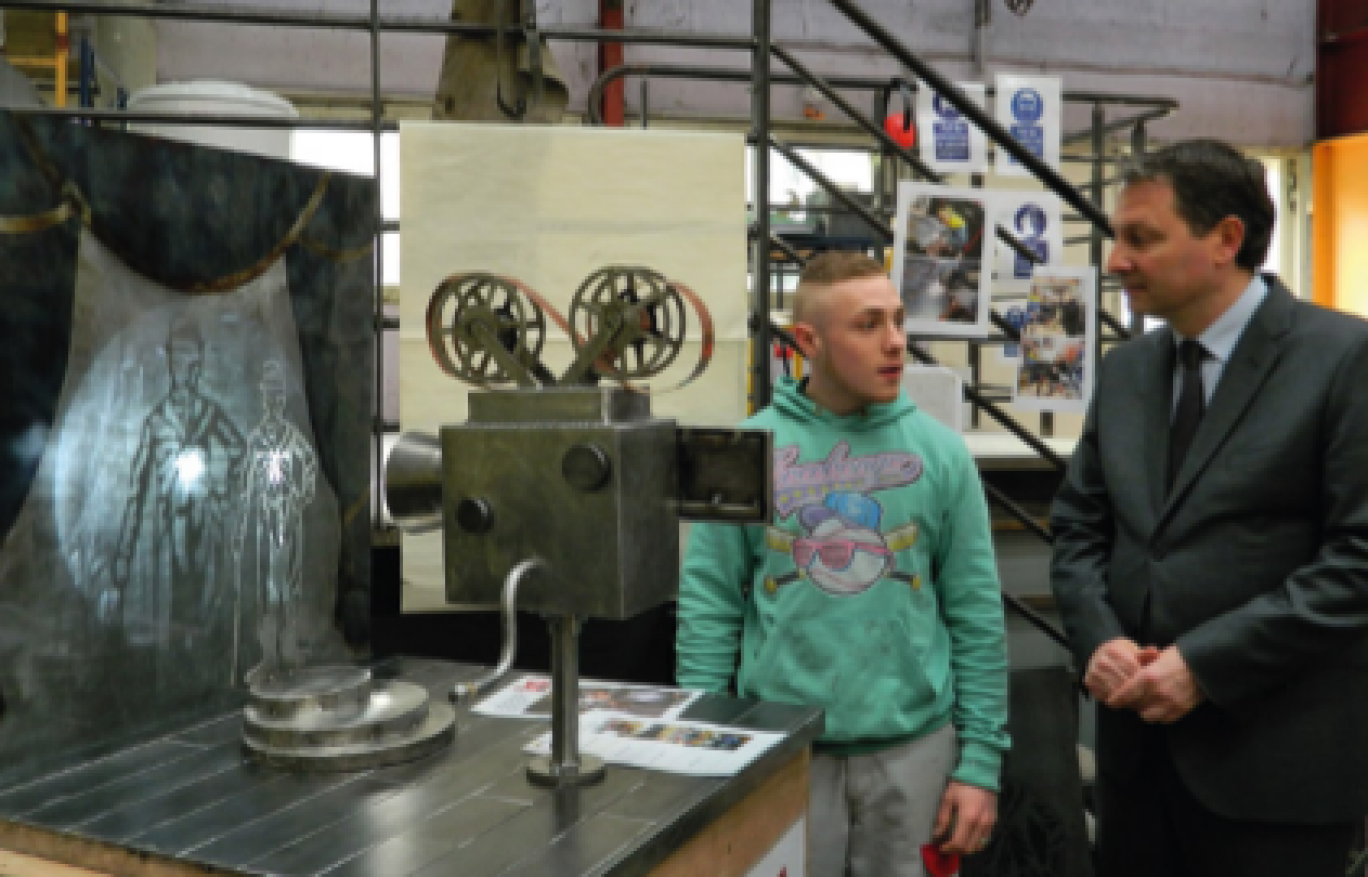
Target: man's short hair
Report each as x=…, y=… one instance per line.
x=1212, y=180
x=827, y=269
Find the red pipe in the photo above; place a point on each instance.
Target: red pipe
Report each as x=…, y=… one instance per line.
x=610, y=56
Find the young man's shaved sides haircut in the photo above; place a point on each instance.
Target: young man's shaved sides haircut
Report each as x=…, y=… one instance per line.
x=824, y=272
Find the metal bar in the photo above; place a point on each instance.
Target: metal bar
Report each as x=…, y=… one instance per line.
x=1099, y=191
x=222, y=120
x=1036, y=619
x=1138, y=148
x=714, y=74
x=565, y=754
x=947, y=90
x=248, y=15
x=378, y=305
x=787, y=249
x=1118, y=125
x=1020, y=514
x=834, y=190
x=1121, y=332
x=1162, y=106
x=60, y=61
x=29, y=61
x=217, y=14
x=760, y=108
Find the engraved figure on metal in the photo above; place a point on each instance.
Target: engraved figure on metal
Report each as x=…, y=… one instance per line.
x=277, y=484
x=172, y=526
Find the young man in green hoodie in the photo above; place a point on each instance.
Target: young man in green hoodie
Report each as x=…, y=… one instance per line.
x=873, y=595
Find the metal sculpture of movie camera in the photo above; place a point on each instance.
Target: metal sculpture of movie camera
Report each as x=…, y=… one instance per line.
x=559, y=495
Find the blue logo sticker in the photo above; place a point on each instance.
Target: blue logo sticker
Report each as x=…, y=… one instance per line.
x=1030, y=221
x=1028, y=105
x=944, y=108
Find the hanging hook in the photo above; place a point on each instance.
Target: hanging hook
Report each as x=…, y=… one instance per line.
x=528, y=13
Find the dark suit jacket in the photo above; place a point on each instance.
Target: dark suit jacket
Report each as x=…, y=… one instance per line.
x=1255, y=564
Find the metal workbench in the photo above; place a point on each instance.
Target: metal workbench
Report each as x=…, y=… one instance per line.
x=189, y=802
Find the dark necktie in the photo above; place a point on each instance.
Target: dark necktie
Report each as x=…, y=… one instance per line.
x=1191, y=405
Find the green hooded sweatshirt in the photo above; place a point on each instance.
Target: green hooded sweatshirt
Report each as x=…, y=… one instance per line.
x=873, y=595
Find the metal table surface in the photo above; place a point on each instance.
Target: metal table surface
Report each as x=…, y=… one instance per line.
x=191, y=797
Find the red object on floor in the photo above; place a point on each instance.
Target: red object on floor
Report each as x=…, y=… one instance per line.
x=899, y=126
x=939, y=864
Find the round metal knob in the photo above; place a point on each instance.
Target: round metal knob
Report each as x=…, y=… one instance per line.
x=474, y=515
x=586, y=467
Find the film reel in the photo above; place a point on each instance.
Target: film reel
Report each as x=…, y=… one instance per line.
x=468, y=312
x=650, y=311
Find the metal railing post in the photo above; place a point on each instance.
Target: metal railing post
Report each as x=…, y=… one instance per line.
x=378, y=405
x=760, y=270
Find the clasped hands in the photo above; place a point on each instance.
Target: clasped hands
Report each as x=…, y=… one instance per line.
x=1155, y=683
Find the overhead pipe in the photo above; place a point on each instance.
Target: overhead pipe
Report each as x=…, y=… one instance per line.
x=406, y=24
x=610, y=57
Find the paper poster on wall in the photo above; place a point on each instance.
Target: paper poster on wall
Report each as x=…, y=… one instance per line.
x=1037, y=221
x=940, y=237
x=568, y=218
x=1030, y=108
x=950, y=143
x=1059, y=342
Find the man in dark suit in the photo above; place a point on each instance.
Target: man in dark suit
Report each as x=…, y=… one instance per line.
x=1211, y=545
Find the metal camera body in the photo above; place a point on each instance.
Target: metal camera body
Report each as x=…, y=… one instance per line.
x=583, y=479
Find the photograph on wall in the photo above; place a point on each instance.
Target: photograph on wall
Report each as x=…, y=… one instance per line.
x=1058, y=360
x=941, y=235
x=184, y=464
x=1031, y=108
x=950, y=143
x=1037, y=221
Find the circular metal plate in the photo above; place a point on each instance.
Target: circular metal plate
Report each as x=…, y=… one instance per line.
x=310, y=690
x=392, y=711
x=436, y=732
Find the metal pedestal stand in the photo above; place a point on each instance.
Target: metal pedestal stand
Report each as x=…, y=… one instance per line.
x=566, y=766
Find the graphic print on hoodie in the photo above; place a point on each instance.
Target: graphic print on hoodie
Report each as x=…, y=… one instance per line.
x=842, y=549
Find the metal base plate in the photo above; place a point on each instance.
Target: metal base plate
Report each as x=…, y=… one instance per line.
x=310, y=690
x=393, y=710
x=540, y=772
x=338, y=718
x=437, y=731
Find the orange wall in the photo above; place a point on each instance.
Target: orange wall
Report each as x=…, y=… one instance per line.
x=1339, y=231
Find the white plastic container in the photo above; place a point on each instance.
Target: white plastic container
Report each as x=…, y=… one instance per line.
x=222, y=99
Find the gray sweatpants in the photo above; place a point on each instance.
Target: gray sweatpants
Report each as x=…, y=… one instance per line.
x=869, y=815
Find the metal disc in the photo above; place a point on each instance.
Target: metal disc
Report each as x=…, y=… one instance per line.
x=652, y=341
x=499, y=304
